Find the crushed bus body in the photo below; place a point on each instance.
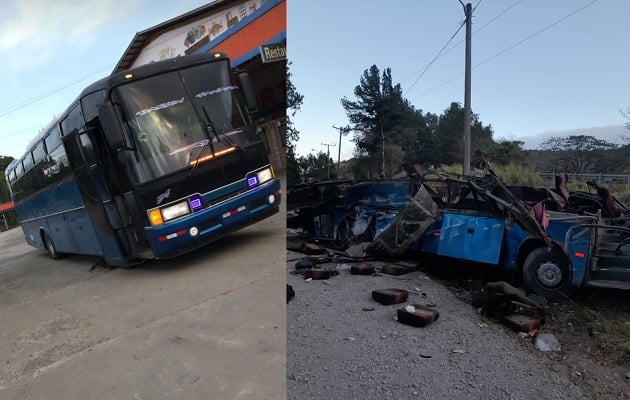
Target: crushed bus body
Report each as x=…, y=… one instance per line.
x=147, y=163
x=552, y=247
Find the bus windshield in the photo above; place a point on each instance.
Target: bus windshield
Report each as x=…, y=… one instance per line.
x=175, y=119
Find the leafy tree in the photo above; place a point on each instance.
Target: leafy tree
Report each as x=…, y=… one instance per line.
x=449, y=135
x=576, y=153
x=4, y=190
x=376, y=115
x=316, y=167
x=5, y=196
x=294, y=103
x=425, y=139
x=504, y=152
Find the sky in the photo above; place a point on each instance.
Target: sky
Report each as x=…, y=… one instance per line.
x=539, y=68
x=51, y=50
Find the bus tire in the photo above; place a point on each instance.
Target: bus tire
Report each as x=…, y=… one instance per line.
x=50, y=247
x=546, y=273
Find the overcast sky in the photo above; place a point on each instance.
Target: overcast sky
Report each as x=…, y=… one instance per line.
x=539, y=67
x=51, y=50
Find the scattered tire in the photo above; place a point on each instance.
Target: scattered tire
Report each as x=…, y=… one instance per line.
x=390, y=296
x=546, y=273
x=417, y=315
x=362, y=269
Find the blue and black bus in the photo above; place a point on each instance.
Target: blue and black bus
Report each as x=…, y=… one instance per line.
x=147, y=163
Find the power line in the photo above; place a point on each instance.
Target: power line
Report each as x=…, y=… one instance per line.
x=31, y=129
x=476, y=31
x=510, y=47
x=42, y=96
x=537, y=33
x=435, y=58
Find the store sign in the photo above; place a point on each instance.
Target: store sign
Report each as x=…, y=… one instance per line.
x=273, y=52
x=189, y=38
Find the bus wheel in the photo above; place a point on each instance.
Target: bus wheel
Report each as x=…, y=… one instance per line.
x=50, y=247
x=546, y=273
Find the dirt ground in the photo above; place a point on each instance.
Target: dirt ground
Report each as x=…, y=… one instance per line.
x=593, y=328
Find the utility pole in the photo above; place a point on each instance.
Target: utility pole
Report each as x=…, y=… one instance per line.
x=467, y=112
x=328, y=156
x=342, y=131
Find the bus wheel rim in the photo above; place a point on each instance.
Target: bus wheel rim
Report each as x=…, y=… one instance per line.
x=549, y=274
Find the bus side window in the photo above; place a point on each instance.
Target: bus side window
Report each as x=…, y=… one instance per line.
x=53, y=140
x=56, y=165
x=90, y=104
x=28, y=162
x=74, y=120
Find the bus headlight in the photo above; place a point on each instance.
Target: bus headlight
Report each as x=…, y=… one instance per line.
x=264, y=175
x=260, y=177
x=175, y=211
x=179, y=208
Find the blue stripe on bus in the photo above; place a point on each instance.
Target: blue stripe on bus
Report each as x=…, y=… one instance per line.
x=254, y=202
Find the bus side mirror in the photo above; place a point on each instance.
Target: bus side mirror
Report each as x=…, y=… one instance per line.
x=248, y=90
x=111, y=125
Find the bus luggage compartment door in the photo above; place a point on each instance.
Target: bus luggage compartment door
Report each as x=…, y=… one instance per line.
x=471, y=237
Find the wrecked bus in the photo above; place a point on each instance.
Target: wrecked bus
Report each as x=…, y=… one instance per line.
x=551, y=252
x=479, y=219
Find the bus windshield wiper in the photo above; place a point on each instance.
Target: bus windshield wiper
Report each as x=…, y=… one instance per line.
x=211, y=126
x=219, y=138
x=207, y=145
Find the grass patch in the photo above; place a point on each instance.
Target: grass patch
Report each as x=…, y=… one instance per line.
x=608, y=322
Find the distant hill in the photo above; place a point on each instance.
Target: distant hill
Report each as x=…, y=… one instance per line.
x=610, y=133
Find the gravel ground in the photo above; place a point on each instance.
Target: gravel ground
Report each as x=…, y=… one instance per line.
x=338, y=350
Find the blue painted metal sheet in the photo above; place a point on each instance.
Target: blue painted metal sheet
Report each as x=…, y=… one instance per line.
x=213, y=221
x=575, y=240
x=470, y=237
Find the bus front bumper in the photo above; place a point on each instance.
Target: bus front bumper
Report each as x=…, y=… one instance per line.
x=205, y=226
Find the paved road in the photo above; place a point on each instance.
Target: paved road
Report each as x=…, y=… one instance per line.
x=207, y=325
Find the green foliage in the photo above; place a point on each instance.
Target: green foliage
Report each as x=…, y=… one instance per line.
x=517, y=174
x=510, y=174
x=576, y=153
x=294, y=103
x=315, y=167
x=449, y=135
x=382, y=118
x=5, y=196
x=504, y=152
x=4, y=191
x=623, y=195
x=377, y=115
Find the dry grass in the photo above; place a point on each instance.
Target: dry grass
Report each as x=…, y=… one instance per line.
x=602, y=315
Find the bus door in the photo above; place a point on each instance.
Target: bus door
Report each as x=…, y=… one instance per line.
x=101, y=238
